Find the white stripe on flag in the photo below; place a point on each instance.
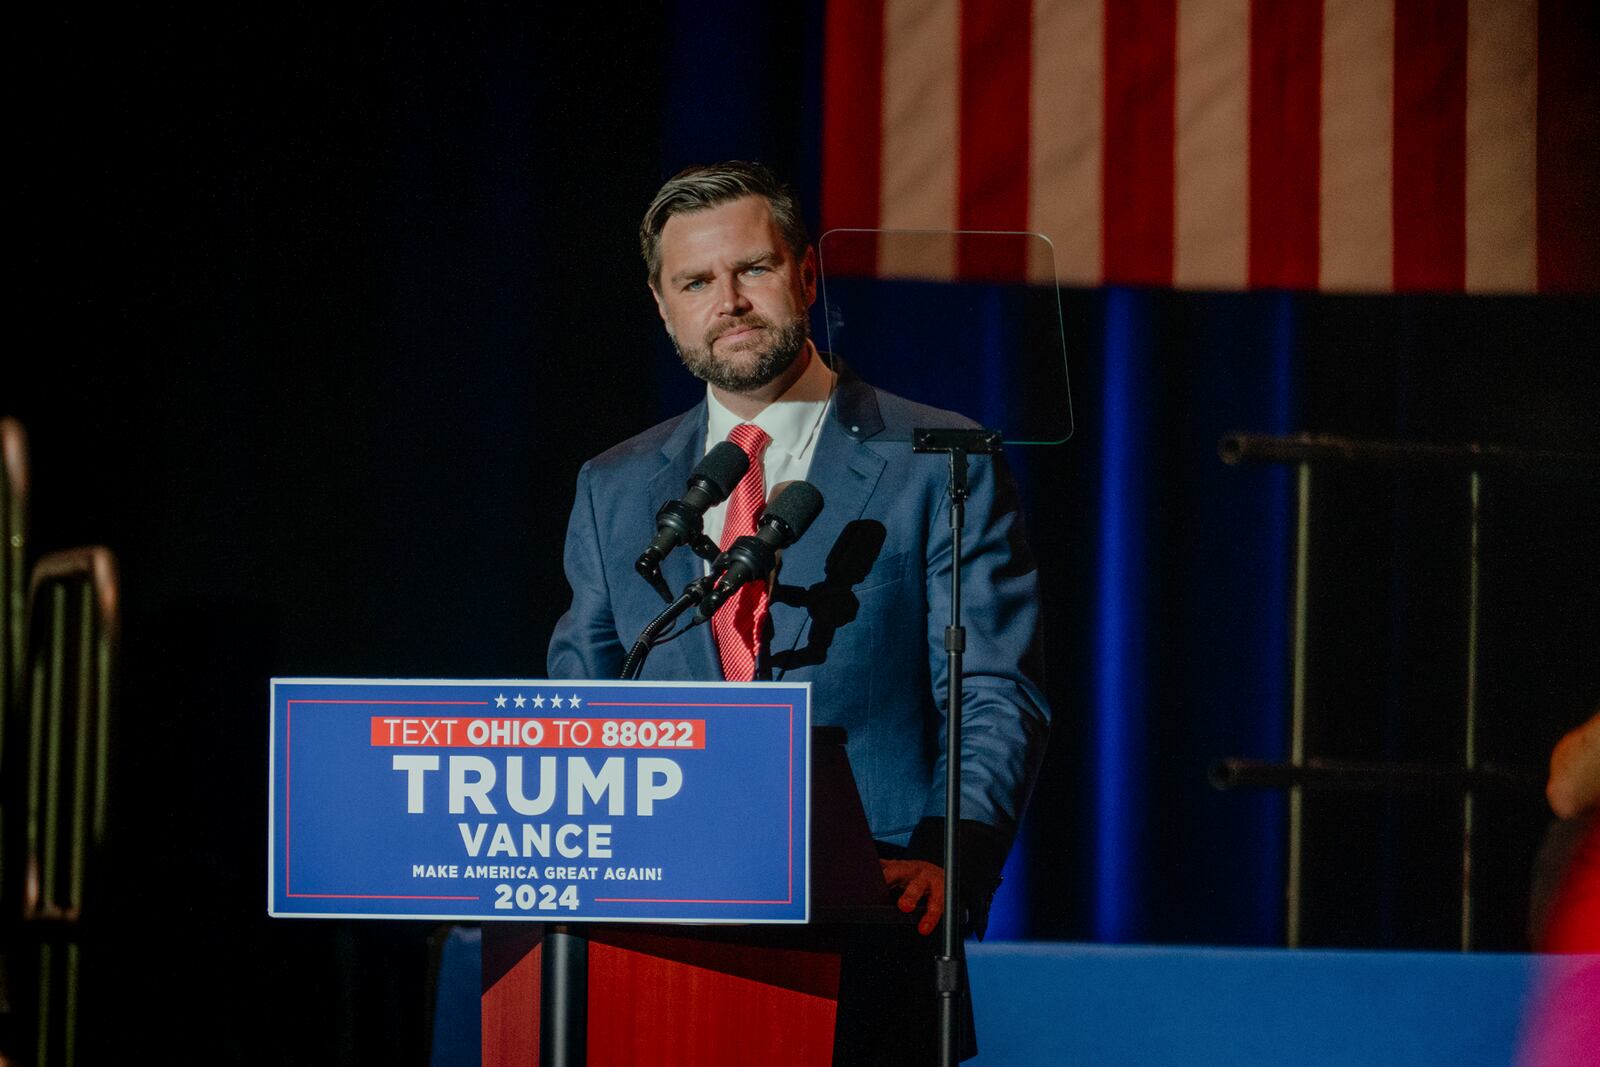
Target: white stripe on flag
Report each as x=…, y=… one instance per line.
x=921, y=110
x=1212, y=157
x=1502, y=140
x=1357, y=223
x=1065, y=158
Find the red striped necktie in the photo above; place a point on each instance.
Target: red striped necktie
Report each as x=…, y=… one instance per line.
x=737, y=627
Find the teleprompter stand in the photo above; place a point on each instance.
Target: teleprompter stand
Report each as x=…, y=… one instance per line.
x=952, y=319
x=958, y=445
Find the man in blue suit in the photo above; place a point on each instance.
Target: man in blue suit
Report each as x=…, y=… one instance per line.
x=858, y=607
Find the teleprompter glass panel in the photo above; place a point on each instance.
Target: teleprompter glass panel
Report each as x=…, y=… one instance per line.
x=964, y=320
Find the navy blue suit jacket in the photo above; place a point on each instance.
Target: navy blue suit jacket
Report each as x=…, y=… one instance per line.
x=859, y=607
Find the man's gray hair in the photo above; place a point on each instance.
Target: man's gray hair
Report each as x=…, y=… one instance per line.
x=714, y=184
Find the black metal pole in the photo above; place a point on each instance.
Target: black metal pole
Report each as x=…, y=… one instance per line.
x=1238, y=448
x=564, y=952
x=947, y=970
x=958, y=445
x=563, y=997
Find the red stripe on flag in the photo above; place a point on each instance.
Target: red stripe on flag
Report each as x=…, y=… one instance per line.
x=852, y=125
x=1569, y=147
x=996, y=55
x=1285, y=142
x=1141, y=46
x=1430, y=145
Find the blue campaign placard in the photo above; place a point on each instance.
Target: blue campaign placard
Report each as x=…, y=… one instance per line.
x=564, y=801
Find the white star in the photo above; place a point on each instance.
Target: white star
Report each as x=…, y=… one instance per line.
x=573, y=700
x=538, y=701
x=555, y=701
x=521, y=700
x=500, y=701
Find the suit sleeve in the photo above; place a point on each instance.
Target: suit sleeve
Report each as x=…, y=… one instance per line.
x=584, y=643
x=1005, y=719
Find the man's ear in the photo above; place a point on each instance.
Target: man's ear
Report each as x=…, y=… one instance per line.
x=661, y=305
x=808, y=275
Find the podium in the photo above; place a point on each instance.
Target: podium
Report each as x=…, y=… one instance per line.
x=617, y=813
x=676, y=994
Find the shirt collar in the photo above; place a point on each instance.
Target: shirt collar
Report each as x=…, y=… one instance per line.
x=791, y=420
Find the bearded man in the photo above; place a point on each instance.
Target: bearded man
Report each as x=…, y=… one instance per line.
x=858, y=607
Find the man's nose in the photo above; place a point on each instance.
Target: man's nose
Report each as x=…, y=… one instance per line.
x=731, y=299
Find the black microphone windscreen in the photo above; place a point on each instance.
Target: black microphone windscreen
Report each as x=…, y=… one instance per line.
x=798, y=505
x=723, y=466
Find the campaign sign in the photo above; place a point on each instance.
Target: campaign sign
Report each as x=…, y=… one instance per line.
x=545, y=800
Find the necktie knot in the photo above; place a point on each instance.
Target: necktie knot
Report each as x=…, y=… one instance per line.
x=751, y=439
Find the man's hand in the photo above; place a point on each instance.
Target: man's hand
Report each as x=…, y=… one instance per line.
x=918, y=881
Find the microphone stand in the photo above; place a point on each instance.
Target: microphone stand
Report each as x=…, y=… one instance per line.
x=958, y=445
x=564, y=952
x=564, y=963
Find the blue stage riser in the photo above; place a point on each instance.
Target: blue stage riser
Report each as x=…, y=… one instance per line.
x=1110, y=1006
x=1120, y=1005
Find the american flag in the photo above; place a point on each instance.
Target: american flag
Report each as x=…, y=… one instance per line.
x=1339, y=145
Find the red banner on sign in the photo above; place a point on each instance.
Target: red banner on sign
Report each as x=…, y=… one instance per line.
x=454, y=732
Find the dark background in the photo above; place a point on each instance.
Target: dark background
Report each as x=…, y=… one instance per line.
x=320, y=310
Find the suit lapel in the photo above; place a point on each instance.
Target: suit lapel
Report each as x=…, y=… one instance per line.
x=681, y=451
x=846, y=473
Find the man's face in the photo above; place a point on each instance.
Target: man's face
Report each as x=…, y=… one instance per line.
x=732, y=294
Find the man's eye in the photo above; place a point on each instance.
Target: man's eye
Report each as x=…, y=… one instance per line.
x=695, y=286
x=756, y=270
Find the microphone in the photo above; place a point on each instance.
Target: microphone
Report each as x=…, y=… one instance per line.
x=679, y=521
x=754, y=555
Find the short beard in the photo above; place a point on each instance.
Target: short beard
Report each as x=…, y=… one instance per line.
x=783, y=346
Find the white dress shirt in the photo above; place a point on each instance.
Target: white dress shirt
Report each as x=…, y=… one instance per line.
x=793, y=421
